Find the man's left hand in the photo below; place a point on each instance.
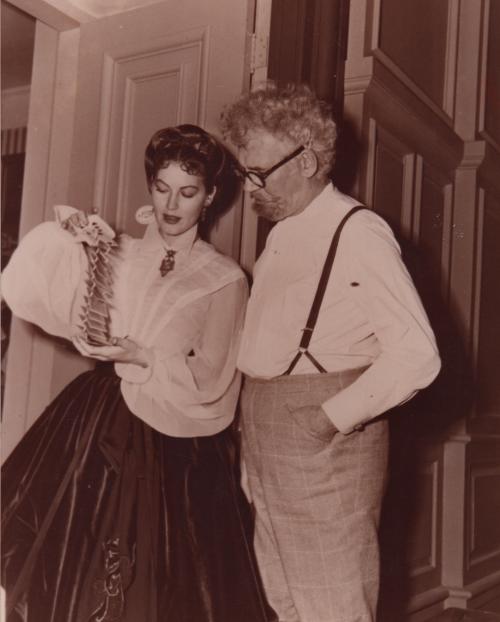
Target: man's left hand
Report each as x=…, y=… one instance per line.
x=314, y=421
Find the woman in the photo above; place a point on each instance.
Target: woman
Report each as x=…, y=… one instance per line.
x=121, y=502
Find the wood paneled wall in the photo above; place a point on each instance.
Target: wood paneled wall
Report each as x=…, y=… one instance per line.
x=422, y=93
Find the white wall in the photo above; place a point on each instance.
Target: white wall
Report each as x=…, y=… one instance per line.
x=15, y=105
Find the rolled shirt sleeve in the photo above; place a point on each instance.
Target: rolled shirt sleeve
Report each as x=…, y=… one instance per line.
x=383, y=290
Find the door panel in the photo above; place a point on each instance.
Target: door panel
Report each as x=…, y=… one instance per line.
x=142, y=94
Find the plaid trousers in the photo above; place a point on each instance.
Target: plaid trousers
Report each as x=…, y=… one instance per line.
x=317, y=498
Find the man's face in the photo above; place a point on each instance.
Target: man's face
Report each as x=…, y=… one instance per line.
x=283, y=193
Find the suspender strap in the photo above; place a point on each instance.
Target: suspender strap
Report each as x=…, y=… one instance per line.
x=318, y=298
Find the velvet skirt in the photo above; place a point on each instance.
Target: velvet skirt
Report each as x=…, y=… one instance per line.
x=105, y=519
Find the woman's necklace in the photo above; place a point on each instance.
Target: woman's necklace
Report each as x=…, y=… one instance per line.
x=168, y=262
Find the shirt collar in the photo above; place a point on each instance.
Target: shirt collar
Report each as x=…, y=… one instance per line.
x=318, y=220
x=321, y=215
x=312, y=216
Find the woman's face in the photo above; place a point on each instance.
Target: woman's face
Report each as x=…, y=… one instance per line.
x=178, y=200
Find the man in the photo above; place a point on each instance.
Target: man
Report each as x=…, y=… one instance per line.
x=313, y=441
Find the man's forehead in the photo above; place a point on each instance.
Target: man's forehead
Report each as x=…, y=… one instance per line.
x=263, y=147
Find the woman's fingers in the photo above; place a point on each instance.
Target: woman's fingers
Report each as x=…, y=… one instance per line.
x=121, y=350
x=80, y=219
x=122, y=341
x=103, y=353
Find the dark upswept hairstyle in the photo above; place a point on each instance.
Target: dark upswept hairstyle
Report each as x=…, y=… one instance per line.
x=293, y=112
x=198, y=153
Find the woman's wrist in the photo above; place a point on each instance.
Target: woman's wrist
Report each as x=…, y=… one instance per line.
x=142, y=358
x=139, y=370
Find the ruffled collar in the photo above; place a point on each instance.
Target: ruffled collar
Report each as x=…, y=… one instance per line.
x=182, y=244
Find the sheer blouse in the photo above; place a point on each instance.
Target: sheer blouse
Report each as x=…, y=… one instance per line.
x=188, y=321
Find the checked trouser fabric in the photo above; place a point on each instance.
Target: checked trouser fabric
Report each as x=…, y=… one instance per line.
x=317, y=500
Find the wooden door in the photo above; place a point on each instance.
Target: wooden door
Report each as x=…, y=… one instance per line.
x=169, y=63
x=421, y=88
x=99, y=90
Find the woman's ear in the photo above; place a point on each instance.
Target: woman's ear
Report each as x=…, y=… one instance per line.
x=308, y=163
x=210, y=197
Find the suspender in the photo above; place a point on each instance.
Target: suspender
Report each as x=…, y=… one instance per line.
x=318, y=298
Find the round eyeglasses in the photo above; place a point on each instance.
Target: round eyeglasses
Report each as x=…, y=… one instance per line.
x=258, y=178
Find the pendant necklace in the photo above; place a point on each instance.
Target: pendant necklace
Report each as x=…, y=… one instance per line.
x=168, y=262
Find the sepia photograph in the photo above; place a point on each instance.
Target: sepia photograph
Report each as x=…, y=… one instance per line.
x=250, y=311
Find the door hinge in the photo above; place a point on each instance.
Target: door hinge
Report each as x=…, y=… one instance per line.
x=259, y=49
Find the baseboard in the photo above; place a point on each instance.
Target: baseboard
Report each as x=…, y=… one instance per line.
x=483, y=594
x=425, y=606
x=465, y=615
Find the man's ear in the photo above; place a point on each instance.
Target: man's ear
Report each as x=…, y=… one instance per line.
x=308, y=163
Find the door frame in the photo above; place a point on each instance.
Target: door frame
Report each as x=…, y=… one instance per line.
x=45, y=183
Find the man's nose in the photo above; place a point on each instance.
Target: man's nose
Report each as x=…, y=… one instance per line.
x=250, y=186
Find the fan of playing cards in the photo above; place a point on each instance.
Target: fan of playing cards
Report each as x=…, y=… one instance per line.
x=101, y=245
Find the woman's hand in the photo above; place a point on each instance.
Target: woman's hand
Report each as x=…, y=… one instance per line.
x=74, y=223
x=121, y=350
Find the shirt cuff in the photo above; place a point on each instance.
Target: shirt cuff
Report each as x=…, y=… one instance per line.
x=136, y=374
x=345, y=415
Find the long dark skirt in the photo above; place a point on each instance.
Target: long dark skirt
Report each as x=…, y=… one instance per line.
x=103, y=518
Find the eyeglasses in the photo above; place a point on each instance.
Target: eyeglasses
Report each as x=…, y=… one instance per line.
x=258, y=178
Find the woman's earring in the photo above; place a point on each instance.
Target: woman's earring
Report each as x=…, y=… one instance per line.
x=209, y=198
x=145, y=215
x=203, y=214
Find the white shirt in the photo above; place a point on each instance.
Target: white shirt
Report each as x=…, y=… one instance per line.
x=371, y=313
x=189, y=321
